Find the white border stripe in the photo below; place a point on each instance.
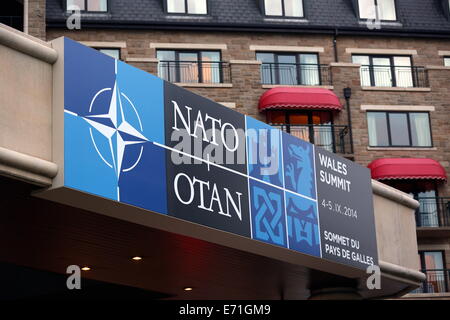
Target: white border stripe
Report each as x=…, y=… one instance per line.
x=228, y=169
x=284, y=191
x=317, y=202
x=248, y=181
x=71, y=113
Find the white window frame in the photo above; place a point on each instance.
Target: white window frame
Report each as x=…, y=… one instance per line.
x=186, y=8
x=377, y=9
x=283, y=10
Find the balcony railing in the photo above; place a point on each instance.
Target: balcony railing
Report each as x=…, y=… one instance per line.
x=394, y=76
x=295, y=74
x=433, y=212
x=195, y=71
x=333, y=138
x=437, y=281
x=15, y=22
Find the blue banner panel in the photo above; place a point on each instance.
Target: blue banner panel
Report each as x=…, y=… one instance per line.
x=264, y=150
x=268, y=214
x=298, y=160
x=302, y=224
x=110, y=128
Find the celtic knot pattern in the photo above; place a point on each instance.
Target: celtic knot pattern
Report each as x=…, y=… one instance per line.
x=269, y=222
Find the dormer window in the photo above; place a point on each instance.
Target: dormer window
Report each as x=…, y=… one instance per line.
x=284, y=8
x=88, y=5
x=187, y=6
x=446, y=8
x=382, y=10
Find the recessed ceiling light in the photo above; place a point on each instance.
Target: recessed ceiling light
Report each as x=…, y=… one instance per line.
x=188, y=289
x=85, y=268
x=137, y=258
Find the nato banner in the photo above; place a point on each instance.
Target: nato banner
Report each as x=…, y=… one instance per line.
x=135, y=139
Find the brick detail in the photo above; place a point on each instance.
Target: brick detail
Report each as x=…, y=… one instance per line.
x=36, y=19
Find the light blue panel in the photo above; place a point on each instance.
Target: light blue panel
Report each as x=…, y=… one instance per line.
x=146, y=93
x=84, y=169
x=268, y=214
x=303, y=225
x=264, y=152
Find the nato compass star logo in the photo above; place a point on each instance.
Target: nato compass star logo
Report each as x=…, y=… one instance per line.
x=114, y=126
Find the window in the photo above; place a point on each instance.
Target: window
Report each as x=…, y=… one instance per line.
x=433, y=265
x=447, y=61
x=187, y=6
x=190, y=66
x=88, y=5
x=383, y=10
x=431, y=260
x=399, y=129
x=114, y=53
x=388, y=71
x=289, y=68
x=432, y=209
x=312, y=126
x=284, y=8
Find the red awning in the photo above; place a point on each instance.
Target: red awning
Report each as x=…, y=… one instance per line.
x=299, y=98
x=407, y=168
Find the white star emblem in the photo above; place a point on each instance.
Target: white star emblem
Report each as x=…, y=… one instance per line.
x=115, y=128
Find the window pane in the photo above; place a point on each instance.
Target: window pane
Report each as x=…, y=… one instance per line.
x=321, y=117
x=309, y=69
x=382, y=72
x=420, y=129
x=365, y=70
x=188, y=70
x=367, y=9
x=115, y=53
x=210, y=56
x=287, y=70
x=433, y=260
x=97, y=5
x=211, y=68
x=386, y=10
x=293, y=8
x=436, y=278
x=273, y=7
x=403, y=72
x=164, y=55
x=265, y=57
x=298, y=118
x=447, y=62
x=276, y=116
x=402, y=61
x=398, y=126
x=167, y=66
x=377, y=126
x=428, y=210
x=267, y=67
x=176, y=6
x=77, y=3
x=197, y=7
x=299, y=125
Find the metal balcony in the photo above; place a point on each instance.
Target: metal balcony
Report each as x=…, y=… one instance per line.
x=195, y=71
x=437, y=281
x=433, y=212
x=334, y=138
x=295, y=74
x=394, y=76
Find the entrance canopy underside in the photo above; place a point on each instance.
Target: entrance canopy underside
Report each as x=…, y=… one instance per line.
x=53, y=236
